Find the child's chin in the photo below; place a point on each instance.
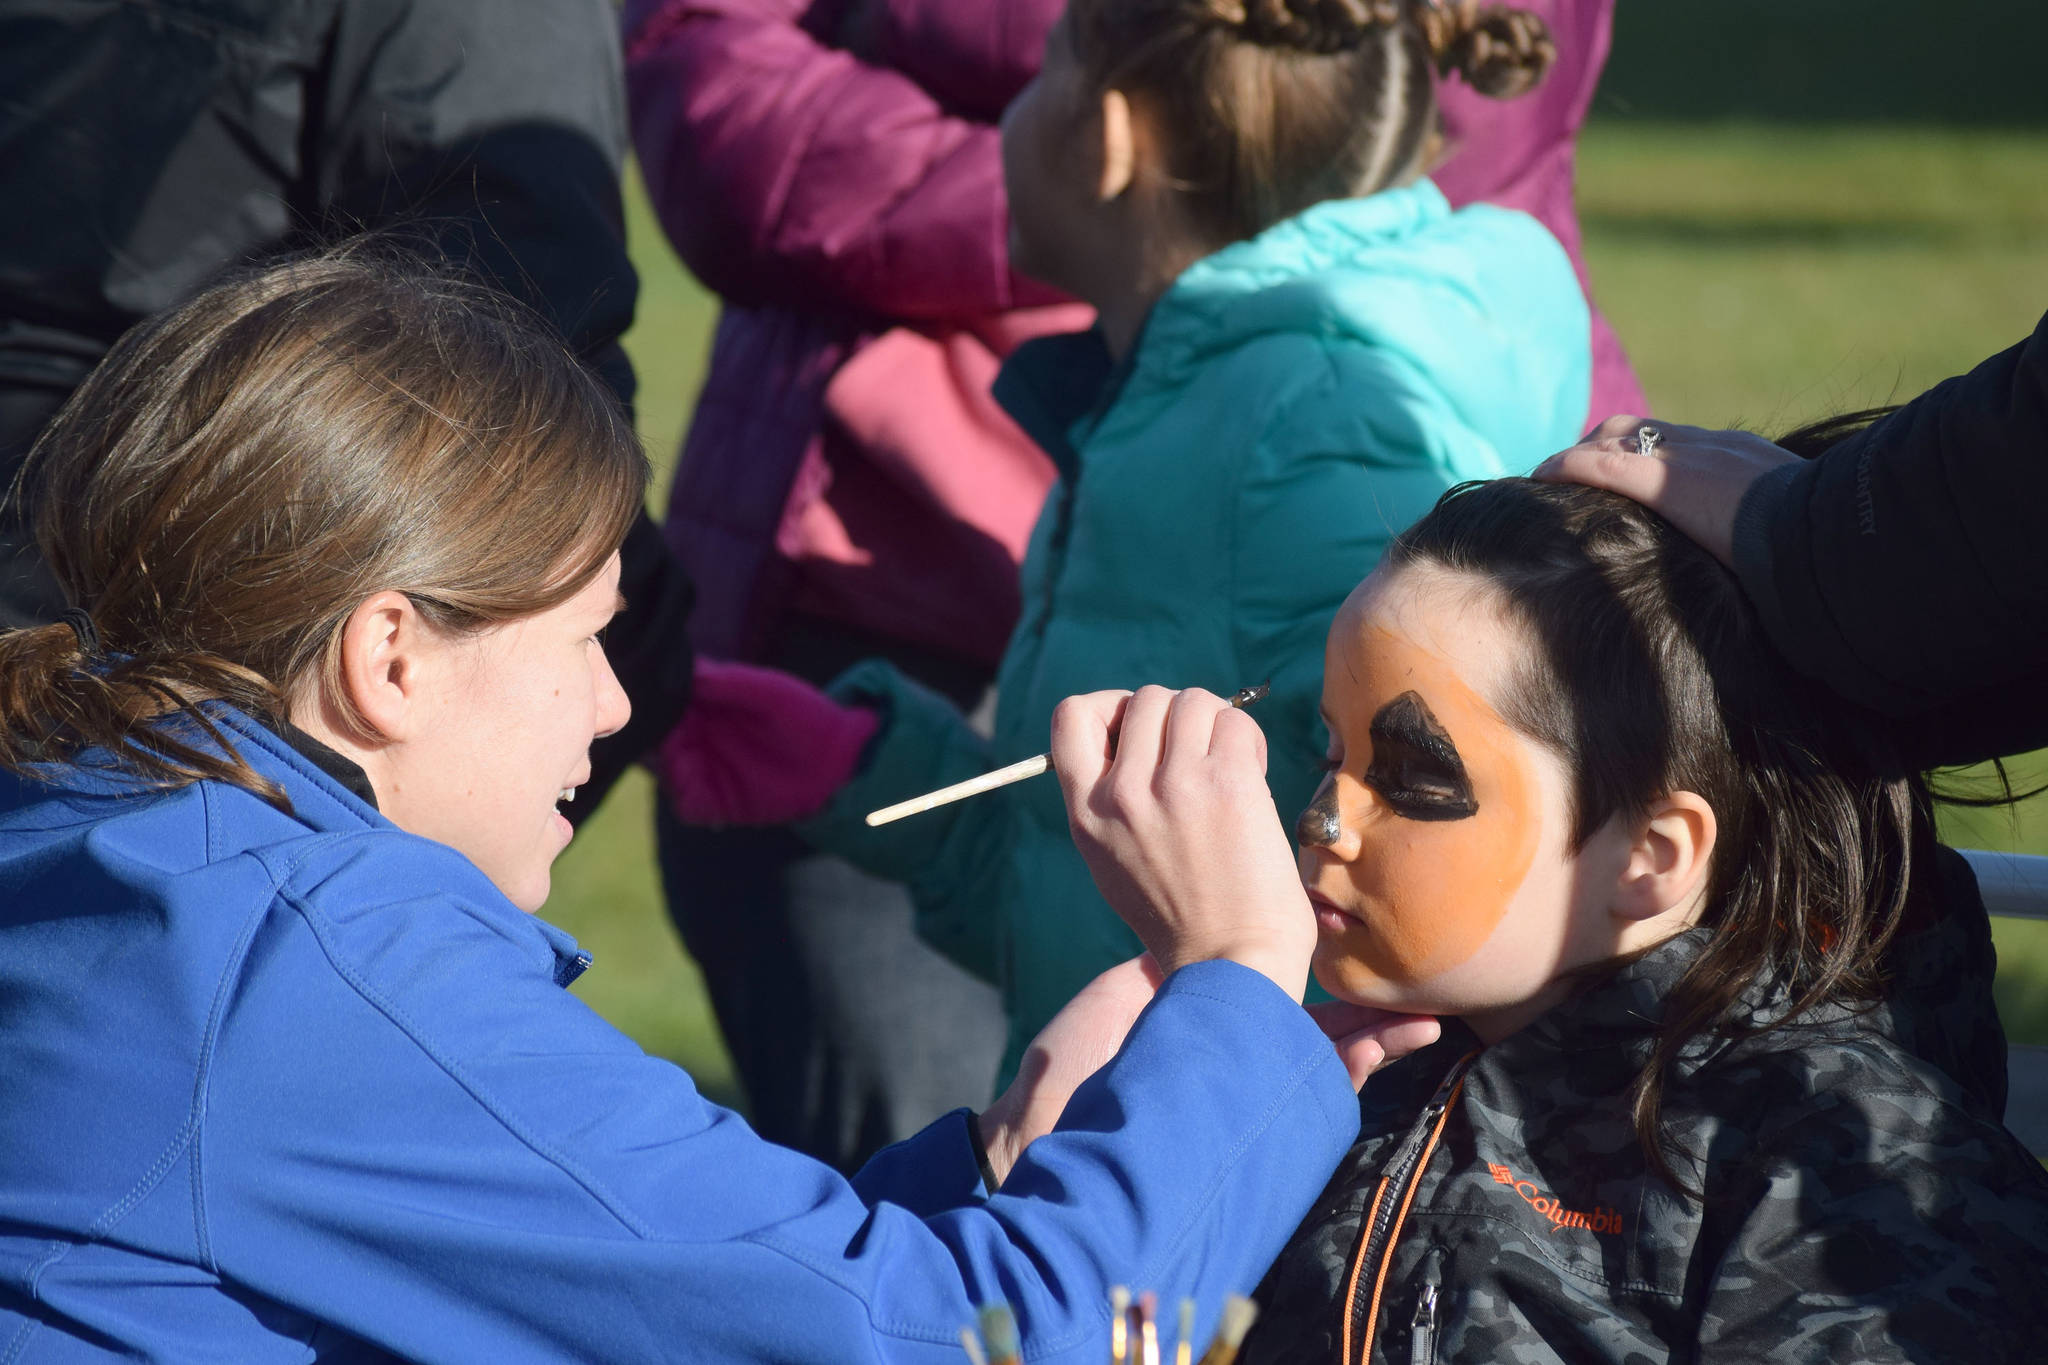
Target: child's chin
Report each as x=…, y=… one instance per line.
x=1348, y=979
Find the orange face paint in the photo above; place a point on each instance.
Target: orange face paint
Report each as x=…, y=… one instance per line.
x=1418, y=840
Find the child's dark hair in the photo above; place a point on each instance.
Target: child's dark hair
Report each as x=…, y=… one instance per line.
x=1270, y=106
x=1650, y=673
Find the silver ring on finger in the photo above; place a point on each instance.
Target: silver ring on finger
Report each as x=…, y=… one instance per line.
x=1647, y=438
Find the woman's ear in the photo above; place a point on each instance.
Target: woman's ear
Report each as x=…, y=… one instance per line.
x=384, y=648
x=1119, y=147
x=1668, y=860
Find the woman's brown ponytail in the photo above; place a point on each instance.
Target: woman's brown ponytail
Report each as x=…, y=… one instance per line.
x=61, y=697
x=41, y=692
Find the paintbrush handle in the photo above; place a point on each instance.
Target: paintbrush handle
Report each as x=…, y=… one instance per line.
x=973, y=786
x=1015, y=772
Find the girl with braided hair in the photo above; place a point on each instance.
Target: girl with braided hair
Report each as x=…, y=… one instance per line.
x=1299, y=346
x=849, y=490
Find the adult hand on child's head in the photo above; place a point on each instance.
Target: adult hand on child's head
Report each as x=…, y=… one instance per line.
x=758, y=747
x=1694, y=478
x=1167, y=799
x=1073, y=1046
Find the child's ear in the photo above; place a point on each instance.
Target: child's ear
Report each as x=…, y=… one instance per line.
x=1119, y=147
x=1668, y=859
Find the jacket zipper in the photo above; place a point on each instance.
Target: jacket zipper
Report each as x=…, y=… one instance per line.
x=1390, y=1207
x=1422, y=1340
x=1056, y=552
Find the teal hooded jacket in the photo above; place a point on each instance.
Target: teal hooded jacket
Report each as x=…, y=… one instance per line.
x=1293, y=402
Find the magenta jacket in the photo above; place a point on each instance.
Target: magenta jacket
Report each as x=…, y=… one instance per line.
x=1518, y=154
x=845, y=458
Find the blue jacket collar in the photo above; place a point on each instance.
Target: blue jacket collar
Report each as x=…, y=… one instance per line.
x=325, y=802
x=346, y=771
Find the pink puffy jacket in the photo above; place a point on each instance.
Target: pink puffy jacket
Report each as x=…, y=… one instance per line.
x=1518, y=154
x=845, y=458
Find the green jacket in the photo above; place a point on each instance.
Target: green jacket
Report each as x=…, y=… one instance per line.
x=1293, y=401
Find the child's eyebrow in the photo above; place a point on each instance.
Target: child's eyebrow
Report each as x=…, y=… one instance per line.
x=1408, y=720
x=1413, y=757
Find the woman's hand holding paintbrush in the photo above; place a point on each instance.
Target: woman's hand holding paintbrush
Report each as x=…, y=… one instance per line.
x=1166, y=796
x=1038, y=765
x=1167, y=799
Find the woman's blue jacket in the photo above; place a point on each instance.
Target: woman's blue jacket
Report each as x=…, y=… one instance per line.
x=285, y=1086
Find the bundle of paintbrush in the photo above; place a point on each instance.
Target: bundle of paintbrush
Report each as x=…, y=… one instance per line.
x=1134, y=1337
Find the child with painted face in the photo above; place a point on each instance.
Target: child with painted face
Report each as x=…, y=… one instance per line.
x=1706, y=1086
x=1300, y=347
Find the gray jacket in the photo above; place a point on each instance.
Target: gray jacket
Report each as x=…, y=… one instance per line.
x=146, y=147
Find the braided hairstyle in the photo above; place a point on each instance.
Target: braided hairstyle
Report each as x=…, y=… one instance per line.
x=1270, y=106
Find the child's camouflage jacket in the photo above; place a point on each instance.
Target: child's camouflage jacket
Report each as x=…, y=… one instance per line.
x=1862, y=1203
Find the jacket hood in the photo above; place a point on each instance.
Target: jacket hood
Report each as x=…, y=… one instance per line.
x=1401, y=272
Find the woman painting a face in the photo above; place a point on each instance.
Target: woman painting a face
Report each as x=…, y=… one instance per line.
x=289, y=1068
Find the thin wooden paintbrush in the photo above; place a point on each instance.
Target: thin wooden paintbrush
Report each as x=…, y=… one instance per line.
x=1003, y=777
x=999, y=1330
x=1134, y=1332
x=1238, y=1315
x=1148, y=1328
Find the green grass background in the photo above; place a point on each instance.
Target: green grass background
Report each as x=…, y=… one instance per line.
x=1761, y=273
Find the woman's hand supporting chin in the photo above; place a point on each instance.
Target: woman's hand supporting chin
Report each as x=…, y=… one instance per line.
x=1083, y=1037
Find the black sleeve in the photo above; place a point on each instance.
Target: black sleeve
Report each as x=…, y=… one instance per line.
x=491, y=133
x=1905, y=567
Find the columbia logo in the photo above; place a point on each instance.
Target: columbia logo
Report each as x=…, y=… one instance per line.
x=1601, y=1220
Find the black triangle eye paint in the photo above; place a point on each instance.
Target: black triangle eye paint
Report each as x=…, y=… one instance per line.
x=1416, y=768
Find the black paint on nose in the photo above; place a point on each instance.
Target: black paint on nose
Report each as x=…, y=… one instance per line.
x=1319, y=826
